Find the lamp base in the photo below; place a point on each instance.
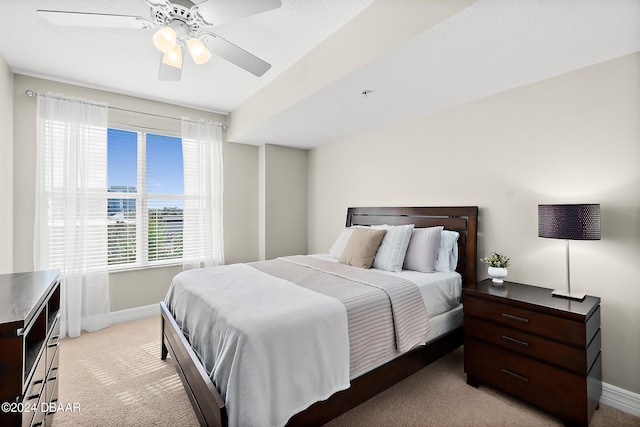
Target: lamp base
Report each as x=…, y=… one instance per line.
x=561, y=293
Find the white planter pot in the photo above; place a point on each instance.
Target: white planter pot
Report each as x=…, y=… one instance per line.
x=497, y=274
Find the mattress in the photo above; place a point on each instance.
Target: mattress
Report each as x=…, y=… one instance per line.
x=445, y=322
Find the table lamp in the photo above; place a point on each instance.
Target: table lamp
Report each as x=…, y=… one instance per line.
x=569, y=222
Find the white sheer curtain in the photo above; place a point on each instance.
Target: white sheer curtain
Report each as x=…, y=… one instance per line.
x=71, y=207
x=203, y=240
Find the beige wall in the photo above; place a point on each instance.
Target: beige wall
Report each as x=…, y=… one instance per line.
x=283, y=213
x=240, y=203
x=142, y=287
x=6, y=168
x=574, y=138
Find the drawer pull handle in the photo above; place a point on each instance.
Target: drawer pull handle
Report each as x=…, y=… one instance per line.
x=513, y=374
x=38, y=382
x=516, y=318
x=524, y=343
x=33, y=396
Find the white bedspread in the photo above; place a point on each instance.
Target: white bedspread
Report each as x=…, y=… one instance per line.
x=260, y=310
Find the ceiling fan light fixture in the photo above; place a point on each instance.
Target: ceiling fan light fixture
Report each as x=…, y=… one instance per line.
x=199, y=52
x=173, y=23
x=165, y=39
x=173, y=57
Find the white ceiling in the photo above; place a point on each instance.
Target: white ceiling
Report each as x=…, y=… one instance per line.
x=125, y=60
x=489, y=47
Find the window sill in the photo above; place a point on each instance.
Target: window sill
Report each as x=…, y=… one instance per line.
x=128, y=267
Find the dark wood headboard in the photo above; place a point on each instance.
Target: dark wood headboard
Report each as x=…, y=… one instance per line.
x=463, y=219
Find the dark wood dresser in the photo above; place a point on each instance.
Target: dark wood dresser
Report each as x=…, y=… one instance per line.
x=29, y=335
x=542, y=349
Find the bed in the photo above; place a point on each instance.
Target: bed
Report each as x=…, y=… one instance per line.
x=444, y=331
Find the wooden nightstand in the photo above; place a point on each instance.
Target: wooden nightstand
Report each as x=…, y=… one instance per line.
x=542, y=349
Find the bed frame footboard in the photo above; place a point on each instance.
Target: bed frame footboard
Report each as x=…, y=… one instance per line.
x=205, y=399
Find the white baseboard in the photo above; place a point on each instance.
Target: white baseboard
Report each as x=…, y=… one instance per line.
x=100, y=321
x=134, y=313
x=621, y=399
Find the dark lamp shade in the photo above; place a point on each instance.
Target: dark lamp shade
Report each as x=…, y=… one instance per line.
x=570, y=222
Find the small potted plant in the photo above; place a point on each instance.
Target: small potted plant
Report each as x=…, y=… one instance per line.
x=498, y=264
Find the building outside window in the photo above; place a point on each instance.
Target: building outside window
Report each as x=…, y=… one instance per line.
x=146, y=199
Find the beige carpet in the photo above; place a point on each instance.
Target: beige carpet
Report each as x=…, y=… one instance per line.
x=117, y=378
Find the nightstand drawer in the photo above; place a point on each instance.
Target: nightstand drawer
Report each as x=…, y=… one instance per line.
x=550, y=388
x=553, y=327
x=572, y=358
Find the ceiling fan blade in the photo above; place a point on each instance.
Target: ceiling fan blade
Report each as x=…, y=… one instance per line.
x=219, y=12
x=185, y=3
x=167, y=73
x=236, y=55
x=81, y=19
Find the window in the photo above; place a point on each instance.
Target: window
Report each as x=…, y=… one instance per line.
x=145, y=198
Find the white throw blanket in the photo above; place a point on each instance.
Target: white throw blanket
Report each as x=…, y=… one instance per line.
x=246, y=312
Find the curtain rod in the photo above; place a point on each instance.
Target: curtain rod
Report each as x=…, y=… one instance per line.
x=31, y=93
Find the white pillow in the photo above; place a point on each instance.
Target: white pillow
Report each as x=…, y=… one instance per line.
x=341, y=242
x=390, y=255
x=422, y=250
x=447, y=257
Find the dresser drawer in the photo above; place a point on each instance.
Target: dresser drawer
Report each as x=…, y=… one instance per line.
x=52, y=378
x=552, y=327
x=34, y=388
x=38, y=418
x=53, y=344
x=578, y=360
x=54, y=339
x=553, y=389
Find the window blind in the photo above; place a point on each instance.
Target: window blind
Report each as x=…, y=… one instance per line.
x=146, y=198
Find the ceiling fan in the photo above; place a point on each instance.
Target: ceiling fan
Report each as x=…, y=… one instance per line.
x=180, y=24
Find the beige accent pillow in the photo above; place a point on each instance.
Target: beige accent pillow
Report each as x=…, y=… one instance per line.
x=341, y=241
x=361, y=247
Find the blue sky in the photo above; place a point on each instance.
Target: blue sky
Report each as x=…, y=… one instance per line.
x=165, y=173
